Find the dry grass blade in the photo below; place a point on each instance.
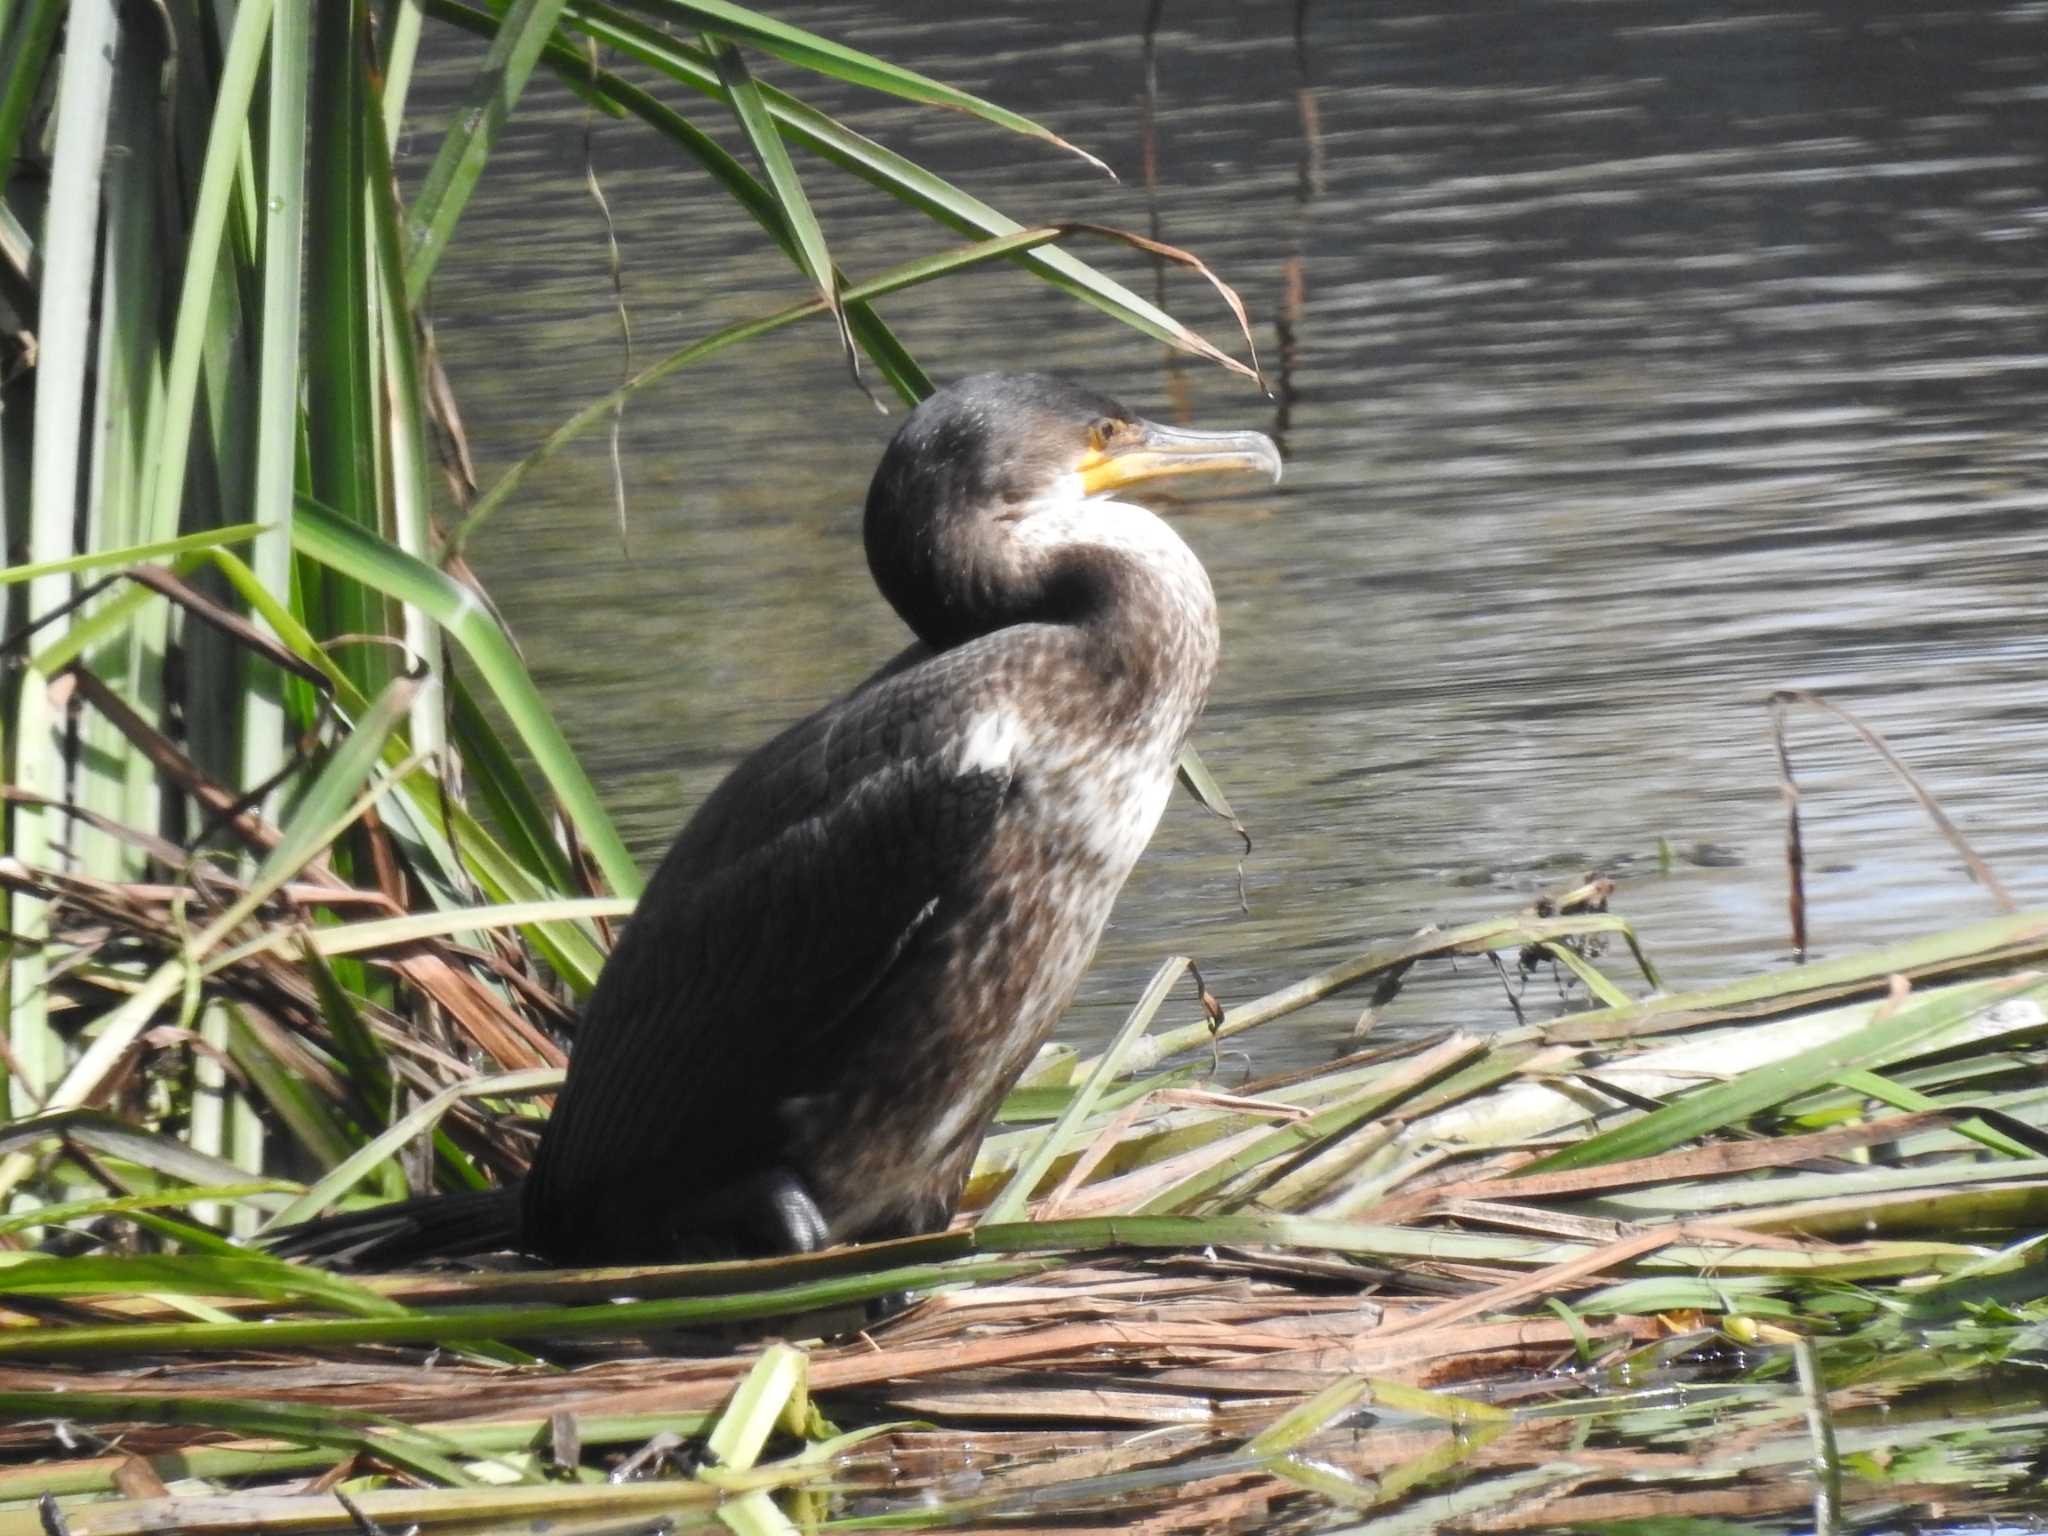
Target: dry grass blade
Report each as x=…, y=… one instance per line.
x=1545, y=1282
x=251, y=637
x=1708, y=1161
x=1995, y=945
x=170, y=760
x=1196, y=344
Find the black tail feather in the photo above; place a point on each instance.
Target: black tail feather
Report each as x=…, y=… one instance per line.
x=407, y=1231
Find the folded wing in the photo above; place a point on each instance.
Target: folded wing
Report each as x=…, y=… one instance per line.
x=808, y=875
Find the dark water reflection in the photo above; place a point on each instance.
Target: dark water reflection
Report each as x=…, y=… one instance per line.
x=1645, y=361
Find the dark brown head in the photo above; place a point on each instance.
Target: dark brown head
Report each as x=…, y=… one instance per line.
x=971, y=464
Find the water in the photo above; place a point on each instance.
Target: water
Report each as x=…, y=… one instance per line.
x=1643, y=363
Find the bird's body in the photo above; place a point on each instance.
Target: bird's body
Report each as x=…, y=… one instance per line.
x=862, y=936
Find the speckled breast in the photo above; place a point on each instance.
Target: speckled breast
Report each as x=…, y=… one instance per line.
x=1092, y=758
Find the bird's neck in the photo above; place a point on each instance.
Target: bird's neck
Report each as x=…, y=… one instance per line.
x=1114, y=574
x=1123, y=577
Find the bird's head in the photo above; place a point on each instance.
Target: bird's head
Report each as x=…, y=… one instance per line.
x=997, y=469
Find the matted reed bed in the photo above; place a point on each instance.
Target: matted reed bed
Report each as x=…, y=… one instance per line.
x=1482, y=1281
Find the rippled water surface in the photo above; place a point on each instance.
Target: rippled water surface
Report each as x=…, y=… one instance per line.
x=1640, y=363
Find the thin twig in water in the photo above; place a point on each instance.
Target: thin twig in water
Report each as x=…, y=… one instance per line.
x=1972, y=861
x=1148, y=147
x=1507, y=985
x=1213, y=1012
x=611, y=240
x=1795, y=853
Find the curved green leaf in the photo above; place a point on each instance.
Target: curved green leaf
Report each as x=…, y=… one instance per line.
x=619, y=95
x=566, y=947
x=806, y=233
x=493, y=92
x=362, y=557
x=133, y=554
x=840, y=62
x=923, y=270
x=897, y=175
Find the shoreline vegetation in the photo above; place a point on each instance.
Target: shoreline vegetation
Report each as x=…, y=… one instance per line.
x=303, y=885
x=1464, y=1267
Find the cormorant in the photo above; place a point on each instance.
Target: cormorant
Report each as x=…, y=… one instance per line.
x=864, y=934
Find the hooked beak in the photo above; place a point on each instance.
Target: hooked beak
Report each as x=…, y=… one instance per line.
x=1144, y=450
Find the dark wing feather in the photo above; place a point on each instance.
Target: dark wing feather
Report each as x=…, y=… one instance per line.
x=782, y=905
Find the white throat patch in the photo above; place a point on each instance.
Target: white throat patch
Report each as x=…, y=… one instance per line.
x=1066, y=517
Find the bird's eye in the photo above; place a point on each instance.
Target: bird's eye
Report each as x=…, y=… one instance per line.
x=1101, y=433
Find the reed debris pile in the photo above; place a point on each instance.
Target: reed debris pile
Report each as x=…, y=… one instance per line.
x=1693, y=1237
